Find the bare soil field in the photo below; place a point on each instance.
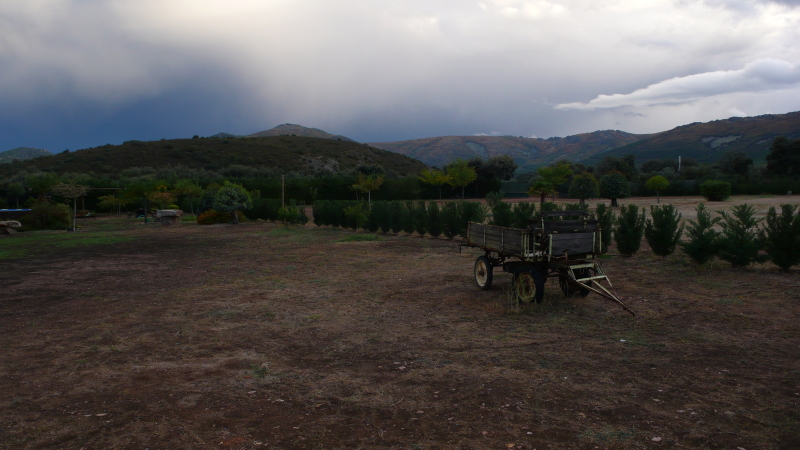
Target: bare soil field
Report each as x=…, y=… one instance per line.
x=251, y=336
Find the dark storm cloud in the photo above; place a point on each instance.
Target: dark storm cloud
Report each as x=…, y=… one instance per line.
x=82, y=73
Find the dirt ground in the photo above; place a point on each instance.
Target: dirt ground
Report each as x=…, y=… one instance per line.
x=251, y=336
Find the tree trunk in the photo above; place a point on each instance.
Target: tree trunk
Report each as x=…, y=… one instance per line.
x=583, y=202
x=614, y=203
x=462, y=192
x=191, y=204
x=235, y=218
x=543, y=198
x=74, y=212
x=369, y=196
x=658, y=196
x=440, y=192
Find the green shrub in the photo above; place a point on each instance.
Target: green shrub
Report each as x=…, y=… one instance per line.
x=287, y=215
x=523, y=214
x=396, y=216
x=450, y=219
x=46, y=216
x=663, y=230
x=739, y=243
x=377, y=211
x=434, y=220
x=605, y=218
x=703, y=244
x=317, y=211
x=408, y=217
x=629, y=230
x=384, y=217
x=714, y=190
x=210, y=217
x=494, y=198
x=358, y=214
x=420, y=218
x=550, y=206
x=300, y=218
x=471, y=212
x=502, y=215
x=781, y=236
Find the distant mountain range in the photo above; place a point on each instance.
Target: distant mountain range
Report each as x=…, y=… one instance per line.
x=22, y=154
x=709, y=141
x=527, y=152
x=706, y=142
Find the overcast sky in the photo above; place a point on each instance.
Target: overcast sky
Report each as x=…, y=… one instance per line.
x=82, y=73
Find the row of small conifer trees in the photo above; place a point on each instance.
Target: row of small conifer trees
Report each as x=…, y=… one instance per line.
x=742, y=240
x=397, y=216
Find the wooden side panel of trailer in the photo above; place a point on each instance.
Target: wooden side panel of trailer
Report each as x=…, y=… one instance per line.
x=572, y=243
x=509, y=241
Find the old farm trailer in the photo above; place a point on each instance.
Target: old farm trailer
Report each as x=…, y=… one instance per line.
x=548, y=247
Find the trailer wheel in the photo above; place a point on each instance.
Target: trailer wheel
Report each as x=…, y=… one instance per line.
x=528, y=285
x=569, y=289
x=483, y=272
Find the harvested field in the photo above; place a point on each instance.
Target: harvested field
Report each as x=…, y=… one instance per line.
x=253, y=336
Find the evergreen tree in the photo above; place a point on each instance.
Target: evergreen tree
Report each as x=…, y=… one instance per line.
x=663, y=230
x=358, y=214
x=434, y=177
x=408, y=217
x=584, y=186
x=396, y=216
x=522, y=214
x=232, y=197
x=549, y=178
x=379, y=217
x=629, y=230
x=657, y=183
x=450, y=219
x=613, y=186
x=781, y=236
x=605, y=218
x=739, y=243
x=459, y=174
x=434, y=220
x=470, y=212
x=421, y=218
x=703, y=242
x=502, y=215
x=372, y=223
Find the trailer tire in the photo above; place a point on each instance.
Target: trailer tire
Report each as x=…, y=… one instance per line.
x=570, y=290
x=528, y=285
x=483, y=272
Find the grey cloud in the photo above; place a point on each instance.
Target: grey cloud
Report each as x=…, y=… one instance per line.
x=760, y=75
